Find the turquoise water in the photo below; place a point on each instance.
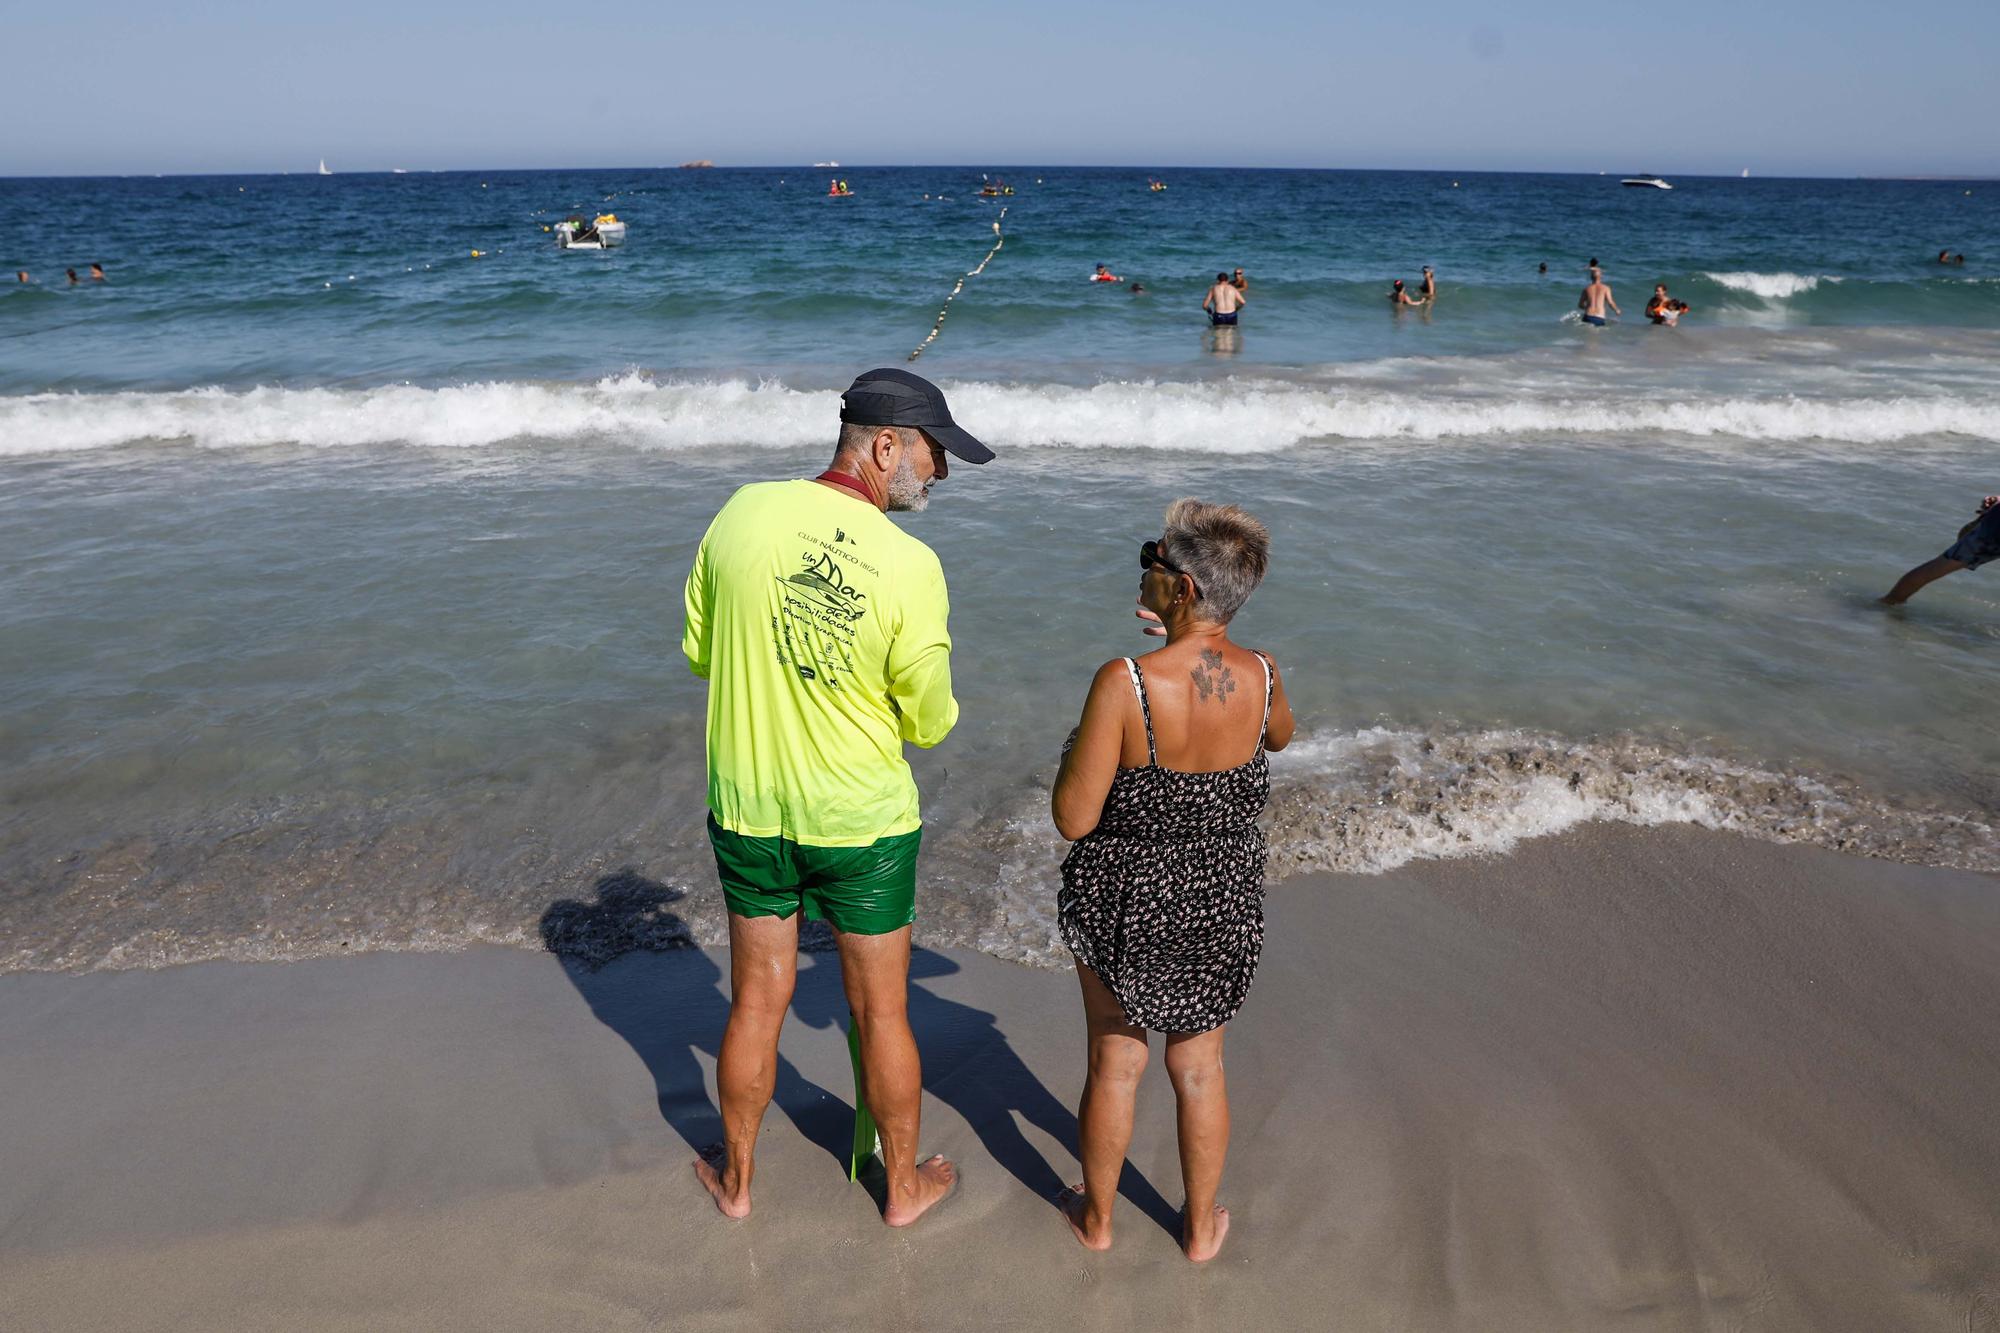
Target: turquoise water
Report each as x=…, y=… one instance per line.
x=345, y=613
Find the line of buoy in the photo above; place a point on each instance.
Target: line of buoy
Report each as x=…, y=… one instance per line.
x=937, y=328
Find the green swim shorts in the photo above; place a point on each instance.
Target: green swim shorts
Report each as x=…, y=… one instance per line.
x=868, y=890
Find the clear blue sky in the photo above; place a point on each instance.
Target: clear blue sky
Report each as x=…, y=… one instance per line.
x=1837, y=88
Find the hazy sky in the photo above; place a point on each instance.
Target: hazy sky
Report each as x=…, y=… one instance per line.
x=1835, y=88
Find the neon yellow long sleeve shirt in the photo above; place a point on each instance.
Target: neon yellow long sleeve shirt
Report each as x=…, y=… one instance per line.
x=820, y=628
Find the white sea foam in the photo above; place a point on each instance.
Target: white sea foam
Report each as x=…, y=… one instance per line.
x=1377, y=799
x=1224, y=417
x=1770, y=286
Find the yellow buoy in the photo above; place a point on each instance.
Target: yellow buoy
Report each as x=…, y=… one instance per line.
x=477, y=253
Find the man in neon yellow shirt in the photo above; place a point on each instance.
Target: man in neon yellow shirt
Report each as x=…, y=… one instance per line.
x=820, y=627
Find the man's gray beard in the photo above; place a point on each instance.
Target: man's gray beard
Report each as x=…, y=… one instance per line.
x=907, y=494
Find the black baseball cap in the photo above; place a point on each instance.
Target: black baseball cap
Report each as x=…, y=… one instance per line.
x=891, y=397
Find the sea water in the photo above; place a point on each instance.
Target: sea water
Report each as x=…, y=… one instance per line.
x=340, y=597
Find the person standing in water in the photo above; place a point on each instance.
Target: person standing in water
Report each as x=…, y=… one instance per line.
x=1223, y=301
x=1162, y=898
x=1239, y=282
x=1595, y=298
x=1428, y=286
x=1978, y=542
x=819, y=626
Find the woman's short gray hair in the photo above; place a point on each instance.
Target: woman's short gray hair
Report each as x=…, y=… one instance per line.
x=1223, y=549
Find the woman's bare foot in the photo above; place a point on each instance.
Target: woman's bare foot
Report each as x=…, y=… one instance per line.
x=1202, y=1243
x=1076, y=1211
x=935, y=1179
x=711, y=1170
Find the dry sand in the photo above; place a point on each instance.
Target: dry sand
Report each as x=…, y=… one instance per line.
x=1623, y=1079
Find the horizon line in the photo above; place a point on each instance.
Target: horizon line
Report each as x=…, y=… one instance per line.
x=1970, y=177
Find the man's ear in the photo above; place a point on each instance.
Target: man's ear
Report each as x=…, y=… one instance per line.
x=885, y=440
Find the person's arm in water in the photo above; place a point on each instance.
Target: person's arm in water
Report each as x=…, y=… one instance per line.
x=1278, y=733
x=1208, y=301
x=1932, y=570
x=1608, y=301
x=697, y=632
x=1090, y=761
x=920, y=661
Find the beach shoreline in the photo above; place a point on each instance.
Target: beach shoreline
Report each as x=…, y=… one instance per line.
x=1621, y=1078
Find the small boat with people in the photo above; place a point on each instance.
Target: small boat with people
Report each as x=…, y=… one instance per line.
x=1156, y=186
x=600, y=233
x=995, y=189
x=1646, y=183
x=837, y=189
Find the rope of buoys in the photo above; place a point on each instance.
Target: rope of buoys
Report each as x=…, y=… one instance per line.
x=959, y=286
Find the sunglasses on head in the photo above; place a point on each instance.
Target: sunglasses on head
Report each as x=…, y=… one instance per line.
x=1149, y=556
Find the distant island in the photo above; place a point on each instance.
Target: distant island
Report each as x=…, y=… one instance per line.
x=689, y=166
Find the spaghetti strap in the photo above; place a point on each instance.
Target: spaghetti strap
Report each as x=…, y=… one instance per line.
x=1146, y=709
x=1266, y=729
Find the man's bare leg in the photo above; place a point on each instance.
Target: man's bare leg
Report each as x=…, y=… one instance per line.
x=1117, y=1061
x=1928, y=572
x=875, y=971
x=763, y=968
x=1194, y=1063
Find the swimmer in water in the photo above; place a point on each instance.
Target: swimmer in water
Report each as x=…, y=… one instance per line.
x=73, y=279
x=1429, y=286
x=1239, y=282
x=21, y=275
x=1223, y=301
x=1656, y=305
x=1544, y=267
x=1138, y=289
x=1978, y=542
x=1944, y=256
x=1398, y=297
x=1104, y=274
x=97, y=273
x=1594, y=300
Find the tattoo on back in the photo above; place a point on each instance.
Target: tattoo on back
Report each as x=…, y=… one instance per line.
x=1213, y=680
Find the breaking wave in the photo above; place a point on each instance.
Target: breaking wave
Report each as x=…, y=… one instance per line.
x=1379, y=798
x=1233, y=416
x=1770, y=286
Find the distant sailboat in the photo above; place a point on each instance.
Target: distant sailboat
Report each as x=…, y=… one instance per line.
x=322, y=168
x=1746, y=173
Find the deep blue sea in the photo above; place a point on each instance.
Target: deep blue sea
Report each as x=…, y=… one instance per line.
x=339, y=603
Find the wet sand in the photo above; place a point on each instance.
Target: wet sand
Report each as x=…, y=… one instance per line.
x=1621, y=1079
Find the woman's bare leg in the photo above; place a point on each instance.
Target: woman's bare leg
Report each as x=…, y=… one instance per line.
x=1194, y=1063
x=1117, y=1055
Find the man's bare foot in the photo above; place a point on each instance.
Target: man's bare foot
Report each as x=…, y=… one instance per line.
x=1076, y=1211
x=934, y=1179
x=1202, y=1243
x=711, y=1171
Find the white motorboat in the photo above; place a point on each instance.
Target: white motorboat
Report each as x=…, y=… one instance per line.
x=1649, y=182
x=601, y=233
